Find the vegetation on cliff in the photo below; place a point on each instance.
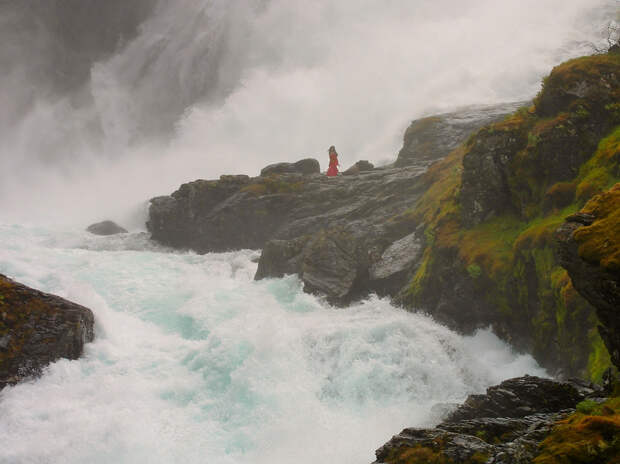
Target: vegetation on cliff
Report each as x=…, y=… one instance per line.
x=493, y=205
x=590, y=435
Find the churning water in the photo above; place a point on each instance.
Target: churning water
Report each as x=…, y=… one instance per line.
x=195, y=362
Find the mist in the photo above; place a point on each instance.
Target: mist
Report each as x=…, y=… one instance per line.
x=96, y=120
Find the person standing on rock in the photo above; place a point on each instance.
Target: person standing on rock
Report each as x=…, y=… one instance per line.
x=333, y=162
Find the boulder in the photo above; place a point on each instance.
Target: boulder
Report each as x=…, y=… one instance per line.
x=360, y=166
x=105, y=228
x=305, y=166
x=519, y=397
x=36, y=329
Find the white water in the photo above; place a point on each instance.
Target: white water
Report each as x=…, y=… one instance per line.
x=195, y=362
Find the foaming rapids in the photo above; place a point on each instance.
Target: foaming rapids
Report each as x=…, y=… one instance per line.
x=106, y=105
x=195, y=362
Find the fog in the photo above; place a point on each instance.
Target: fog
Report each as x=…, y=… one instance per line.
x=106, y=105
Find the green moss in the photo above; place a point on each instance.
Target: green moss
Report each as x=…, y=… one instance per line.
x=583, y=69
x=599, y=243
x=598, y=360
x=474, y=271
x=587, y=406
x=510, y=258
x=590, y=435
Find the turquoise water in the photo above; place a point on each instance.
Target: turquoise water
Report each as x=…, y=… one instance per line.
x=196, y=362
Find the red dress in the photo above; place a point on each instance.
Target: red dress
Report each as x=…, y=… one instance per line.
x=333, y=165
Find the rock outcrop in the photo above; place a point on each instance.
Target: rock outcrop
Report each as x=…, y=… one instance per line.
x=510, y=165
x=340, y=235
x=37, y=328
x=433, y=137
x=504, y=426
x=468, y=239
x=491, y=209
x=105, y=228
x=589, y=249
x=304, y=166
x=360, y=166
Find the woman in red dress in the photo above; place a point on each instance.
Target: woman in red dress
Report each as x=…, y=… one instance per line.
x=333, y=162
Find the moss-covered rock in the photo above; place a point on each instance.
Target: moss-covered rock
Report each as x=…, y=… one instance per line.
x=493, y=205
x=590, y=435
x=37, y=328
x=589, y=248
x=505, y=426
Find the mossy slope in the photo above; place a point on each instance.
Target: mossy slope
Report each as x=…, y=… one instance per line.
x=493, y=205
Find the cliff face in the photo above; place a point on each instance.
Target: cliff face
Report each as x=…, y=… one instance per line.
x=589, y=248
x=469, y=240
x=493, y=205
x=37, y=328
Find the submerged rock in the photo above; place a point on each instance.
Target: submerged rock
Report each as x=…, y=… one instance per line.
x=504, y=426
x=36, y=329
x=105, y=228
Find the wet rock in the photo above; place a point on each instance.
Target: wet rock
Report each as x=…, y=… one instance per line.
x=305, y=166
x=106, y=228
x=431, y=138
x=519, y=397
x=504, y=426
x=589, y=249
x=329, y=231
x=505, y=159
x=36, y=329
x=360, y=166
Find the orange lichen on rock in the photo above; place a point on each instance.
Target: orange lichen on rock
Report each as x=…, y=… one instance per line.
x=591, y=435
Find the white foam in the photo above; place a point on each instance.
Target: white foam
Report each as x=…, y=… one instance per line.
x=194, y=361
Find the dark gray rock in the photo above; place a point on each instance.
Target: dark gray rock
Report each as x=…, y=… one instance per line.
x=304, y=166
x=431, y=138
x=329, y=231
x=519, y=397
x=36, y=329
x=105, y=228
x=360, y=166
x=505, y=426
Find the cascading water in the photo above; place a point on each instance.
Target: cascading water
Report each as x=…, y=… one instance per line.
x=194, y=361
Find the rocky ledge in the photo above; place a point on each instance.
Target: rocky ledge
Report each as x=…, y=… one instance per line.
x=589, y=249
x=36, y=329
x=337, y=234
x=344, y=236
x=504, y=426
